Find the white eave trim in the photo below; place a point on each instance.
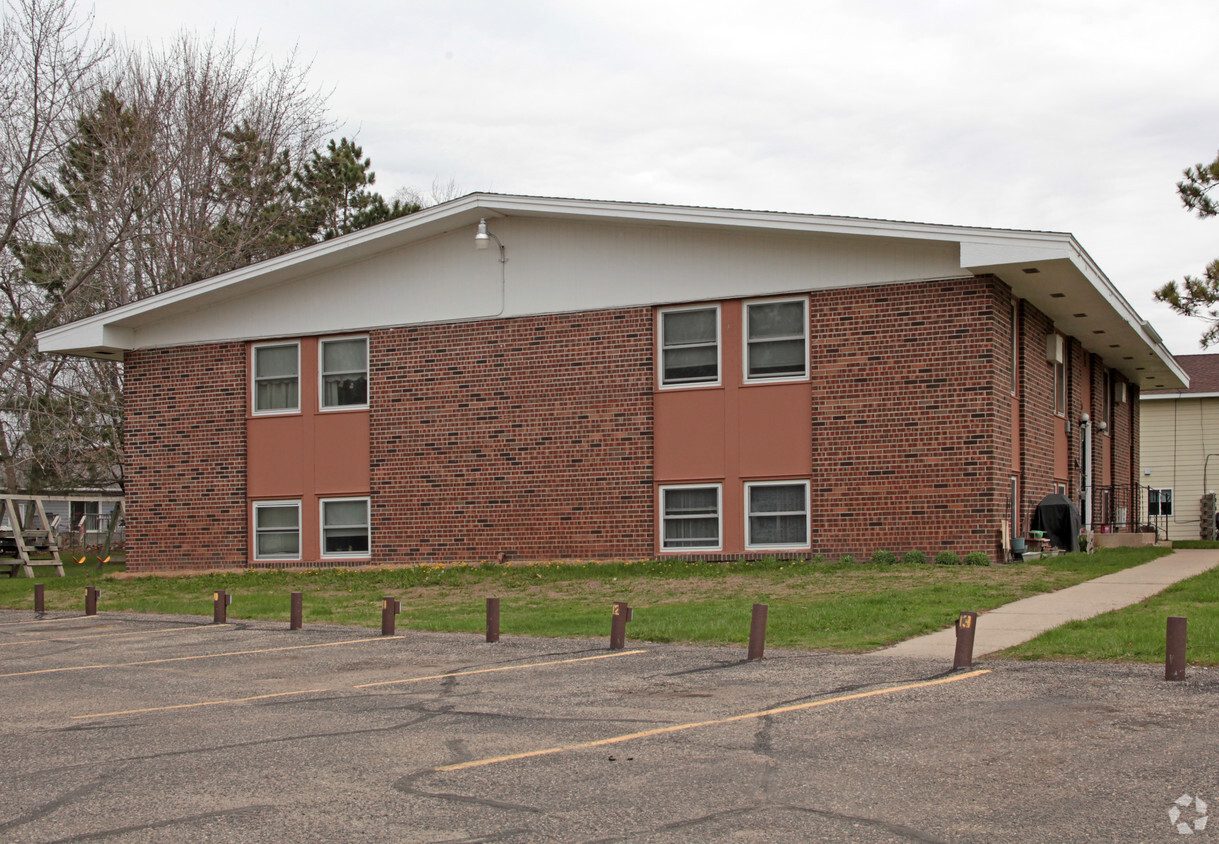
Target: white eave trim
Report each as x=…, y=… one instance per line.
x=1179, y=394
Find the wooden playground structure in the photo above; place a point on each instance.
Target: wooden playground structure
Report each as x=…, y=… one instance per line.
x=23, y=535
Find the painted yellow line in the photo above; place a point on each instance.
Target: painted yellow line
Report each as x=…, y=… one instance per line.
x=116, y=635
x=49, y=620
x=199, y=656
x=478, y=763
x=491, y=670
x=364, y=685
x=203, y=703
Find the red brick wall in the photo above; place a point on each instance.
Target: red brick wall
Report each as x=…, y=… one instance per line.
x=529, y=436
x=911, y=417
x=186, y=457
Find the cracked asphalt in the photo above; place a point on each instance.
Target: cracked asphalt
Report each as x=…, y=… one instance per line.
x=132, y=728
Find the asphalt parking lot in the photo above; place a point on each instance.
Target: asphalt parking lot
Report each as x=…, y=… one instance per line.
x=133, y=728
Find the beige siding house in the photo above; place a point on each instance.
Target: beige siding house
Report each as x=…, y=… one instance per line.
x=1180, y=448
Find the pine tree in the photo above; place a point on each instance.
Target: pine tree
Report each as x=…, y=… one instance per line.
x=1194, y=296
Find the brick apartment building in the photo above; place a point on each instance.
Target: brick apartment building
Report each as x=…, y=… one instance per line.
x=617, y=380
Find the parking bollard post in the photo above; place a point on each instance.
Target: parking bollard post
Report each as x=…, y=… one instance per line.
x=757, y=631
x=1174, y=649
x=296, y=620
x=493, y=619
x=964, y=655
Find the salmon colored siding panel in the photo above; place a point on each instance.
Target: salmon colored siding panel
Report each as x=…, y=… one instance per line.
x=690, y=435
x=776, y=433
x=279, y=457
x=340, y=453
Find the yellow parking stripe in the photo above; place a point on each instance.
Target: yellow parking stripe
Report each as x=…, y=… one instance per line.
x=203, y=703
x=362, y=686
x=478, y=763
x=115, y=635
x=499, y=668
x=199, y=656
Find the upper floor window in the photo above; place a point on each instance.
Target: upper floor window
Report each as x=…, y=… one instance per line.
x=277, y=378
x=1060, y=379
x=689, y=346
x=776, y=340
x=344, y=372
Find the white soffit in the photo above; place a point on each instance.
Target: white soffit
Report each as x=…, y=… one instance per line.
x=1048, y=269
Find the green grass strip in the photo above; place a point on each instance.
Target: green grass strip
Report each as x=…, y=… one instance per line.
x=1137, y=633
x=813, y=605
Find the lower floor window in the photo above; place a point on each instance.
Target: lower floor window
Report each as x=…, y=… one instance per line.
x=345, y=527
x=777, y=514
x=277, y=530
x=1159, y=502
x=690, y=517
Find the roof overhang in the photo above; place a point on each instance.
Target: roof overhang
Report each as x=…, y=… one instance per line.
x=1049, y=269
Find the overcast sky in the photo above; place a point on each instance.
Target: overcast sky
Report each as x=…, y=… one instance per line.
x=1063, y=115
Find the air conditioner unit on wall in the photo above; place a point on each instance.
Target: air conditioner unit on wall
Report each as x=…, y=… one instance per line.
x=1119, y=392
x=1054, y=351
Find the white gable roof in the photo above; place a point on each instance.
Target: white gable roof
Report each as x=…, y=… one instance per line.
x=571, y=255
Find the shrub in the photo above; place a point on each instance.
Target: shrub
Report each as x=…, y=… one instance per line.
x=846, y=558
x=948, y=558
x=914, y=557
x=820, y=558
x=976, y=558
x=884, y=558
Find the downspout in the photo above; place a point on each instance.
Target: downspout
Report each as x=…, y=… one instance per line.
x=1085, y=423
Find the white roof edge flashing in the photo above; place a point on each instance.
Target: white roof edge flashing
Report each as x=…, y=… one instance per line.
x=105, y=333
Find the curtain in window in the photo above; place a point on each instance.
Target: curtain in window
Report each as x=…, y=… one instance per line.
x=691, y=518
x=275, y=377
x=777, y=515
x=345, y=372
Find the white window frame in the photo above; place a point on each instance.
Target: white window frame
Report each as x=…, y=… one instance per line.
x=660, y=349
x=1172, y=500
x=321, y=514
x=321, y=374
x=775, y=379
x=281, y=411
x=259, y=505
x=750, y=545
x=719, y=519
x=1014, y=487
x=1060, y=369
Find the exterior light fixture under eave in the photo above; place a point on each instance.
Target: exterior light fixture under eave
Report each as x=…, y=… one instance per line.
x=483, y=238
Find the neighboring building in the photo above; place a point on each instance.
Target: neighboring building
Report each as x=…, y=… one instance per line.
x=620, y=380
x=1180, y=438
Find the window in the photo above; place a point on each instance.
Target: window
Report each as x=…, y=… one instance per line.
x=345, y=527
x=277, y=530
x=84, y=515
x=277, y=378
x=776, y=340
x=690, y=518
x=1060, y=489
x=1015, y=347
x=777, y=515
x=1060, y=389
x=689, y=346
x=344, y=371
x=1159, y=502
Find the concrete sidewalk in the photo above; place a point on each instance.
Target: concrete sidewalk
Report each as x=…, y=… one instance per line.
x=1022, y=620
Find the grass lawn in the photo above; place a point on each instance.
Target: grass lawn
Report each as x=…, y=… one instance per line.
x=1137, y=633
x=831, y=606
